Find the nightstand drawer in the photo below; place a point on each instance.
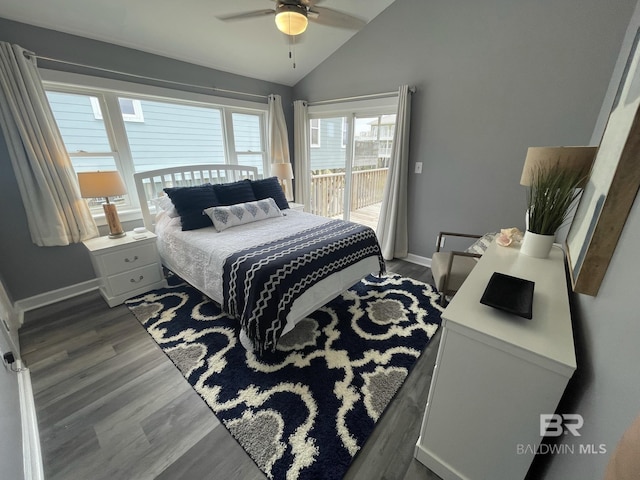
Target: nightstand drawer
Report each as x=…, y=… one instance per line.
x=128, y=258
x=134, y=279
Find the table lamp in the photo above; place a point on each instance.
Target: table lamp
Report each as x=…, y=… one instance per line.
x=284, y=172
x=569, y=159
x=104, y=185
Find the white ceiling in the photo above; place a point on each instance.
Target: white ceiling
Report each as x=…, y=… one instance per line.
x=189, y=30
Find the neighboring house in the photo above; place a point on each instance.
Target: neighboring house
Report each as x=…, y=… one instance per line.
x=373, y=138
x=328, y=143
x=160, y=134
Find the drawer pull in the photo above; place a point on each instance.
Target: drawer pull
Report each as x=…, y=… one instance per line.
x=131, y=260
x=133, y=280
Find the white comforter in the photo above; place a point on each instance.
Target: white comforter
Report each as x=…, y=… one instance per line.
x=198, y=256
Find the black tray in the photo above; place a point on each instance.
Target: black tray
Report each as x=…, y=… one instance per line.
x=511, y=294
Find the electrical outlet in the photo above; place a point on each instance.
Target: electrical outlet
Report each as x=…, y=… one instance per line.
x=418, y=167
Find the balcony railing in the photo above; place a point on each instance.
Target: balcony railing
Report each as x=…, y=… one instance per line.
x=328, y=190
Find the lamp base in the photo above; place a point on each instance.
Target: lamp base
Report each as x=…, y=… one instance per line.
x=111, y=214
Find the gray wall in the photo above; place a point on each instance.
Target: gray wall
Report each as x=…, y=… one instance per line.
x=606, y=388
x=493, y=78
x=30, y=270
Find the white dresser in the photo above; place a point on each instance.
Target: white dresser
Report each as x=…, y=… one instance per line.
x=496, y=373
x=127, y=266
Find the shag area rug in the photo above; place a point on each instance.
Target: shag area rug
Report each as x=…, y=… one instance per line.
x=305, y=410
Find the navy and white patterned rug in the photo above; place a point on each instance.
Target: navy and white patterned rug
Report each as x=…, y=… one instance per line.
x=305, y=410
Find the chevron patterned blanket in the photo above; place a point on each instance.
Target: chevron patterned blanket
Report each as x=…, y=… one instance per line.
x=261, y=283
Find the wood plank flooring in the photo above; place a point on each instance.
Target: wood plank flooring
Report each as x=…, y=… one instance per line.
x=111, y=405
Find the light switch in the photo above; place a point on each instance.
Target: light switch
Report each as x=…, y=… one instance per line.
x=418, y=167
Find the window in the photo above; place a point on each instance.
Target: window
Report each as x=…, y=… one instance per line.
x=315, y=133
x=248, y=139
x=104, y=128
x=88, y=142
x=345, y=132
x=131, y=109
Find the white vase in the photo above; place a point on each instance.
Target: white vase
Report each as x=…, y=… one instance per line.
x=536, y=245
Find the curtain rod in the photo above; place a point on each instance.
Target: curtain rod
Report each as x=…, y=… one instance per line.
x=143, y=77
x=358, y=97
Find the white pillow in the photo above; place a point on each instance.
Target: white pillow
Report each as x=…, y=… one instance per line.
x=165, y=204
x=227, y=216
x=480, y=245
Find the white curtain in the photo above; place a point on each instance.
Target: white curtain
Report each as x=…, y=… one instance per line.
x=56, y=213
x=278, y=137
x=301, y=152
x=392, y=223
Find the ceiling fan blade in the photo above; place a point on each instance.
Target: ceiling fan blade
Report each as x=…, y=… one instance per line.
x=242, y=16
x=310, y=3
x=334, y=18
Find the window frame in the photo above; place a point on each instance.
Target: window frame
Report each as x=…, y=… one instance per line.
x=350, y=111
x=313, y=144
x=107, y=91
x=345, y=132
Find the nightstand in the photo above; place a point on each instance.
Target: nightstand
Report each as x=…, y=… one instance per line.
x=296, y=206
x=126, y=266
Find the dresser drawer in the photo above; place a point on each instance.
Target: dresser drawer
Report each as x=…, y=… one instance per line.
x=128, y=258
x=134, y=279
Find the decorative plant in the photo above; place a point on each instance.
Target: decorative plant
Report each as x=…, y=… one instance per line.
x=551, y=196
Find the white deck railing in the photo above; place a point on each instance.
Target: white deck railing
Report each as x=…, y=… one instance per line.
x=328, y=190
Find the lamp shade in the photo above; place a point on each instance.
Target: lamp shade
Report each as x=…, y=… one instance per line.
x=291, y=19
x=282, y=170
x=571, y=159
x=101, y=184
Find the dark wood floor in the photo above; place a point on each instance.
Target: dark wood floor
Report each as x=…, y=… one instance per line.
x=111, y=405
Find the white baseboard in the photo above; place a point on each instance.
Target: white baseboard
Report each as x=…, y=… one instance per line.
x=31, y=453
x=441, y=468
x=417, y=259
x=47, y=298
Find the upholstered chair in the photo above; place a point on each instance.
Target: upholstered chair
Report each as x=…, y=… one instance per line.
x=451, y=268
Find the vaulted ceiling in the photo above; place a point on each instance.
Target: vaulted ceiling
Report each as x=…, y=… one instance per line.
x=189, y=30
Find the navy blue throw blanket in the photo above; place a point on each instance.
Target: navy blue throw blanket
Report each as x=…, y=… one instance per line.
x=261, y=283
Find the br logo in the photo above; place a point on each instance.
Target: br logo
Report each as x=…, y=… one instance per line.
x=554, y=425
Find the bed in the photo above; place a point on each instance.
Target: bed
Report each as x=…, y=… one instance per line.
x=212, y=260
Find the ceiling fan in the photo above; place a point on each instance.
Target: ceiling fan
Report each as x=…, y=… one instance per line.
x=292, y=16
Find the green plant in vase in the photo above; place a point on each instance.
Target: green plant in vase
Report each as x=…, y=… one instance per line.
x=550, y=197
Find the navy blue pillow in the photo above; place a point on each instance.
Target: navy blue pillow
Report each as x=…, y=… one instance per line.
x=236, y=192
x=190, y=202
x=270, y=187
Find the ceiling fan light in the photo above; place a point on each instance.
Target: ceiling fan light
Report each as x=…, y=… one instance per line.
x=290, y=20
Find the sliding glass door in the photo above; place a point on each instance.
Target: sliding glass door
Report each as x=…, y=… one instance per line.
x=349, y=160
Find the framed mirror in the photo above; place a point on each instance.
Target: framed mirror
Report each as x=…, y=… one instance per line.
x=612, y=187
